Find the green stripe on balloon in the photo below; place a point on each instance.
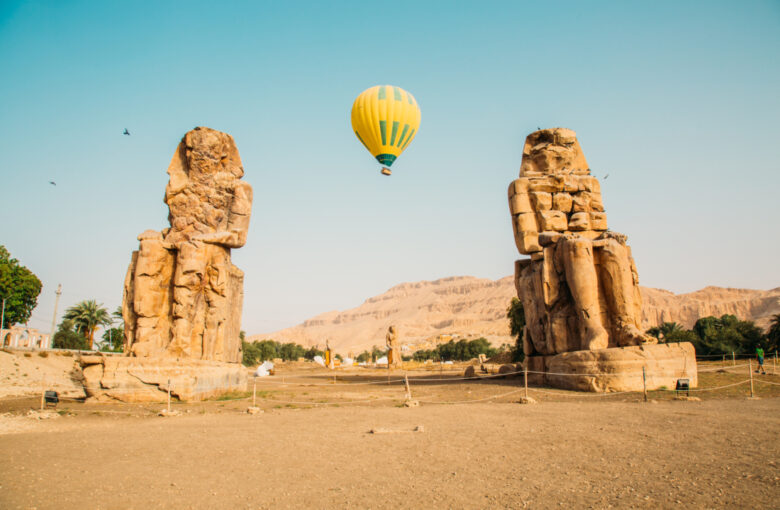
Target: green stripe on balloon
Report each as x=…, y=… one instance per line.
x=361, y=140
x=394, y=132
x=408, y=140
x=403, y=134
x=383, y=130
x=397, y=94
x=382, y=93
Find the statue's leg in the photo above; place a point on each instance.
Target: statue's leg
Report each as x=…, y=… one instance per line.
x=621, y=292
x=149, y=304
x=188, y=300
x=584, y=285
x=217, y=276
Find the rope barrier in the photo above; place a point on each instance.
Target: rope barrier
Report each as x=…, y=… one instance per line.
x=602, y=394
x=766, y=382
x=709, y=389
x=474, y=400
x=331, y=403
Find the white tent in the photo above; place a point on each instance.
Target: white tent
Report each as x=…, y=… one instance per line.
x=318, y=360
x=264, y=369
x=382, y=360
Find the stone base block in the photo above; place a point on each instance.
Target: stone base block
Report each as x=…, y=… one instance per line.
x=146, y=380
x=617, y=368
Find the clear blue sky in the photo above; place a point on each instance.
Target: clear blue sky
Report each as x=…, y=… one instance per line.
x=678, y=102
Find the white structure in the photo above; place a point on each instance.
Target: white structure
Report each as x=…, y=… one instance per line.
x=21, y=337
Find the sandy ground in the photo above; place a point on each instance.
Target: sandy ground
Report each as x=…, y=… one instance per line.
x=696, y=454
x=312, y=447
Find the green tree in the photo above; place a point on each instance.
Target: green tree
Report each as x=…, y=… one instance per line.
x=113, y=340
x=377, y=353
x=114, y=337
x=516, y=316
x=726, y=334
x=313, y=351
x=87, y=316
x=773, y=335
x=66, y=338
x=20, y=289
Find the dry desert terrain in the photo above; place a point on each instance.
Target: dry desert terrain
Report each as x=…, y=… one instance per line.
x=313, y=447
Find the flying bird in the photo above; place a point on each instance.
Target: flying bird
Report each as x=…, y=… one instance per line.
x=605, y=177
x=126, y=132
x=52, y=183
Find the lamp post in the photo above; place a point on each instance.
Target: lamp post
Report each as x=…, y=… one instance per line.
x=54, y=318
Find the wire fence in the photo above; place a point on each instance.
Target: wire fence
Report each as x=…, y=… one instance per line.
x=267, y=397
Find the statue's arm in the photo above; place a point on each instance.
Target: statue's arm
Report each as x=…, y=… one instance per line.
x=238, y=221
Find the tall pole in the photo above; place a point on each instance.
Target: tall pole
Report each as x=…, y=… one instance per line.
x=2, y=320
x=644, y=383
x=54, y=318
x=750, y=371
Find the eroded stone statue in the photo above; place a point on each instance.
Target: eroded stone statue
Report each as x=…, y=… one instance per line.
x=580, y=287
x=183, y=296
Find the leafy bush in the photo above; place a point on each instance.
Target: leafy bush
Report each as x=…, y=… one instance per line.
x=66, y=338
x=716, y=335
x=264, y=350
x=461, y=350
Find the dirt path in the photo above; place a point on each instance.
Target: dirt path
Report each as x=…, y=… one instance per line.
x=556, y=454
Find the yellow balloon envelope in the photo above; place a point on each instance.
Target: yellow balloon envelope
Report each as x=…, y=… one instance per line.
x=385, y=119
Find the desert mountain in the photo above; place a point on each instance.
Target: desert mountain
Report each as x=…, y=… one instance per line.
x=464, y=306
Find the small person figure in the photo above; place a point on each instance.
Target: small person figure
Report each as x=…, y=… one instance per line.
x=760, y=357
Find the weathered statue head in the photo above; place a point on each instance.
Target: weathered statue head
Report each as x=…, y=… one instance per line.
x=204, y=174
x=553, y=151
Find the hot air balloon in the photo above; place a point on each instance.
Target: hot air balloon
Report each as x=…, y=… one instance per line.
x=385, y=119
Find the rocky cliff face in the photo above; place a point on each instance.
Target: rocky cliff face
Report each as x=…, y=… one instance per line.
x=663, y=306
x=465, y=306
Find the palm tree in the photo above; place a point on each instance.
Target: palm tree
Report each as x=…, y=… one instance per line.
x=668, y=328
x=86, y=317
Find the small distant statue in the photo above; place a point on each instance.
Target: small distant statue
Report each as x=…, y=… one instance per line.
x=393, y=349
x=328, y=355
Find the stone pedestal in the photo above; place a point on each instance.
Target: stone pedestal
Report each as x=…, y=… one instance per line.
x=146, y=380
x=616, y=369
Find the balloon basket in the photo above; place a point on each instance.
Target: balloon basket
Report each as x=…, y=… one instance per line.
x=386, y=171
